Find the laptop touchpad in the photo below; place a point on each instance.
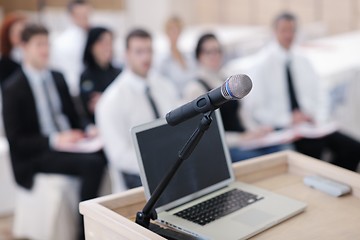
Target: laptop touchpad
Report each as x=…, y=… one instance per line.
x=253, y=217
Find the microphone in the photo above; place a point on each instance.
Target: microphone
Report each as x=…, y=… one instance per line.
x=234, y=88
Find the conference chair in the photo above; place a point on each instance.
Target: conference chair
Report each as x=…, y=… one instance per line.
x=49, y=210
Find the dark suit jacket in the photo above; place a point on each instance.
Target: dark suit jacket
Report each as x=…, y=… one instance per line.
x=7, y=68
x=95, y=79
x=22, y=125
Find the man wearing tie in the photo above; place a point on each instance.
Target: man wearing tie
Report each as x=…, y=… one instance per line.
x=137, y=96
x=287, y=92
x=40, y=119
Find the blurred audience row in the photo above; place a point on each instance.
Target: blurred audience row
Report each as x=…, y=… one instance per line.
x=56, y=96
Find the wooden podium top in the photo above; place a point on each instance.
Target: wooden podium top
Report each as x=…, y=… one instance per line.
x=326, y=217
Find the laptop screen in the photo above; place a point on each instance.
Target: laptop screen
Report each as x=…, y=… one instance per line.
x=158, y=148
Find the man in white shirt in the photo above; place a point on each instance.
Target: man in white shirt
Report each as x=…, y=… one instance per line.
x=126, y=103
x=68, y=48
x=287, y=92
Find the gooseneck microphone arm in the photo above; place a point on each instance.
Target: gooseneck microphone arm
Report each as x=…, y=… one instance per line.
x=148, y=212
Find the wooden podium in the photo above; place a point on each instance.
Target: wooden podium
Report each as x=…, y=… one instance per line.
x=326, y=217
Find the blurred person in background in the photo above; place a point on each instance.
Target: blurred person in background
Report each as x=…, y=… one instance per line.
x=10, y=51
x=41, y=121
x=177, y=66
x=209, y=54
x=99, y=71
x=137, y=96
x=11, y=55
x=68, y=48
x=287, y=92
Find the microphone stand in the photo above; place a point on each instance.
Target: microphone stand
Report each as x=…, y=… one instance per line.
x=143, y=217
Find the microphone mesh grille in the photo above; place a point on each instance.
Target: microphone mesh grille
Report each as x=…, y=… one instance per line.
x=236, y=87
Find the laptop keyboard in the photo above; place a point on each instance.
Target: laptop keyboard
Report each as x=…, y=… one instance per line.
x=219, y=206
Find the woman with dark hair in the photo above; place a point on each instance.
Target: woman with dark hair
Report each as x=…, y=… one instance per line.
x=99, y=71
x=10, y=42
x=209, y=55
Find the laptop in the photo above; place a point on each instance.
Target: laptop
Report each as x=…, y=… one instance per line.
x=203, y=198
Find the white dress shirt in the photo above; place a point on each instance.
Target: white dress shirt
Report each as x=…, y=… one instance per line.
x=194, y=88
x=269, y=102
x=172, y=70
x=124, y=105
x=67, y=55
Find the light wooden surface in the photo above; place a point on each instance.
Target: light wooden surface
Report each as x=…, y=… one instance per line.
x=326, y=217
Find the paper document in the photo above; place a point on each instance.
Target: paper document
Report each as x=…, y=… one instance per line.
x=86, y=145
x=308, y=130
x=289, y=135
x=271, y=139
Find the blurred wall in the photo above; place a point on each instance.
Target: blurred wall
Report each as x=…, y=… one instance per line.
x=33, y=5
x=338, y=16
x=335, y=15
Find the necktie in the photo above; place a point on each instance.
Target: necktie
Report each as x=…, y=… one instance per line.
x=50, y=105
x=152, y=103
x=292, y=94
x=59, y=121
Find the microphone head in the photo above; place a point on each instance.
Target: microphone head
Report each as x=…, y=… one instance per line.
x=236, y=87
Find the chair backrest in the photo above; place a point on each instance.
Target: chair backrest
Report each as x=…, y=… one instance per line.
x=117, y=180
